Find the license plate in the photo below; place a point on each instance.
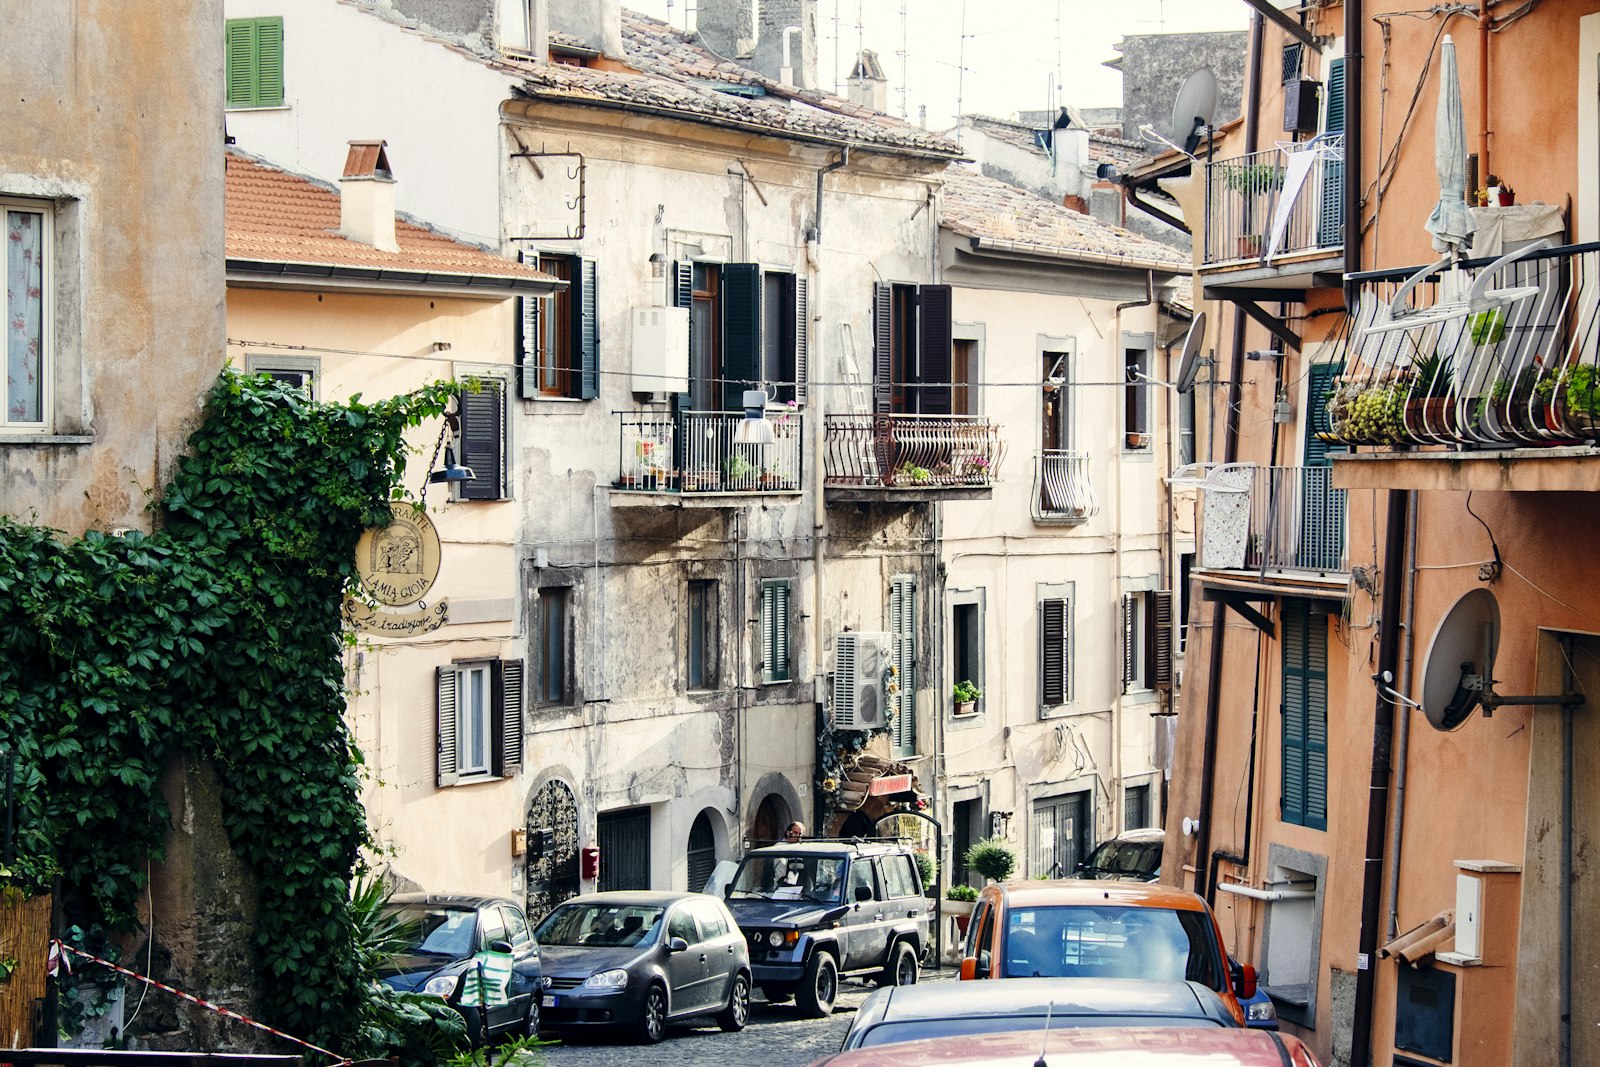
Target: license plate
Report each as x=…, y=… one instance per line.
x=550, y=1001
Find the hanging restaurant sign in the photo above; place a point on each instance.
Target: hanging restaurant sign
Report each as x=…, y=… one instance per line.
x=397, y=565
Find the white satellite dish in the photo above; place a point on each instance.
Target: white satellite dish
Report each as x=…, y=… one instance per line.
x=1459, y=668
x=1194, y=110
x=1189, y=363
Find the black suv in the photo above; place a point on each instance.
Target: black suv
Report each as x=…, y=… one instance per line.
x=815, y=911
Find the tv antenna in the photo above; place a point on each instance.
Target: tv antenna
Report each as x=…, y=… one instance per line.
x=1190, y=362
x=1193, y=114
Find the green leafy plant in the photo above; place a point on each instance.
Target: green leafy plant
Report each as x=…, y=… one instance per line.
x=1368, y=413
x=965, y=692
x=215, y=640
x=1487, y=327
x=992, y=858
x=738, y=467
x=517, y=1052
x=961, y=892
x=1253, y=179
x=1432, y=377
x=913, y=474
x=926, y=867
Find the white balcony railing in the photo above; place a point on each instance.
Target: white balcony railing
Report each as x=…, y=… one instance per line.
x=1062, y=491
x=1275, y=203
x=694, y=452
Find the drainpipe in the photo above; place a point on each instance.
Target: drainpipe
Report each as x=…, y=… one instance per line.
x=1394, y=561
x=1397, y=821
x=1483, y=90
x=1353, y=27
x=844, y=157
x=1230, y=454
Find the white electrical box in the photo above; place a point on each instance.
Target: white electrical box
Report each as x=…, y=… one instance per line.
x=660, y=350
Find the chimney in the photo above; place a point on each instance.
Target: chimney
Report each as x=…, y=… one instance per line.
x=597, y=23
x=753, y=33
x=867, y=85
x=366, y=197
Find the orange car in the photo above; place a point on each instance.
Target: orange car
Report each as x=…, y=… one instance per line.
x=1099, y=929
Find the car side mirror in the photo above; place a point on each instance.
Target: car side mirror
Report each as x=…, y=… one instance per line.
x=677, y=944
x=500, y=944
x=1244, y=981
x=863, y=892
x=969, y=969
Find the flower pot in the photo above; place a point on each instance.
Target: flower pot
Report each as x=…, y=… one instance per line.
x=958, y=909
x=1137, y=440
x=1507, y=198
x=1249, y=245
x=961, y=923
x=966, y=707
x=1426, y=416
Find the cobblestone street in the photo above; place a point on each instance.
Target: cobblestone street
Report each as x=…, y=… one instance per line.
x=776, y=1037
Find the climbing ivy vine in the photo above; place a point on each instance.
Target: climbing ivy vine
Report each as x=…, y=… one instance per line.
x=217, y=638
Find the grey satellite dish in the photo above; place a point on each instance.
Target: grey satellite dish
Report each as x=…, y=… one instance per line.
x=1189, y=363
x=1195, y=109
x=1460, y=664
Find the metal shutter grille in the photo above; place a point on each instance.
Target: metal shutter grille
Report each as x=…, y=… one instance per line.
x=802, y=341
x=1291, y=61
x=934, y=349
x=511, y=689
x=483, y=438
x=1053, y=652
x=445, y=716
x=903, y=625
x=1161, y=639
x=882, y=349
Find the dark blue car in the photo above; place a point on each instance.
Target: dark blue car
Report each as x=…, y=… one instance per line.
x=443, y=958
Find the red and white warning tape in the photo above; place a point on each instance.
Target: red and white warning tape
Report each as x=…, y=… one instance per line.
x=59, y=947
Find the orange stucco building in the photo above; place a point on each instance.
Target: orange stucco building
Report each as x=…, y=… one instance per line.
x=1407, y=870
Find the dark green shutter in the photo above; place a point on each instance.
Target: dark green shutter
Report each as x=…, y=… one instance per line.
x=741, y=332
x=935, y=312
x=507, y=748
x=1053, y=664
x=1330, y=220
x=1322, y=529
x=445, y=764
x=1316, y=720
x=882, y=349
x=588, y=308
x=528, y=338
x=483, y=442
x=775, y=630
x=802, y=340
x=903, y=627
x=1305, y=716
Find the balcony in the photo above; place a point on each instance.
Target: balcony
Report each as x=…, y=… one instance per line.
x=1275, y=219
x=1485, y=378
x=1062, y=492
x=691, y=459
x=907, y=458
x=1284, y=521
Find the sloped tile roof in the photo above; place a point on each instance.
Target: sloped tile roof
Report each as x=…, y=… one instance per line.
x=1102, y=149
x=677, y=76
x=990, y=210
x=273, y=216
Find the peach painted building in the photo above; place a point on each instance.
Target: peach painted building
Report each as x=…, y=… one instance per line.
x=1408, y=871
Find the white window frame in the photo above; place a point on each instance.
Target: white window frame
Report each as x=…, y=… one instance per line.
x=1066, y=591
x=308, y=367
x=48, y=364
x=474, y=719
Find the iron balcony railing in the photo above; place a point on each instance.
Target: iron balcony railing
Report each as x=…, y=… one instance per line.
x=1494, y=355
x=1297, y=520
x=911, y=451
x=694, y=452
x=1295, y=194
x=1062, y=491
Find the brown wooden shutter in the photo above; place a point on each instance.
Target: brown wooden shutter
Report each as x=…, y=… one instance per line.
x=1129, y=603
x=1161, y=639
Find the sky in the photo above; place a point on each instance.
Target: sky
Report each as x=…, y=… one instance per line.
x=991, y=57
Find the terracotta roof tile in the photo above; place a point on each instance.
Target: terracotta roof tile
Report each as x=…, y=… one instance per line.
x=273, y=216
x=991, y=210
x=677, y=75
x=1102, y=149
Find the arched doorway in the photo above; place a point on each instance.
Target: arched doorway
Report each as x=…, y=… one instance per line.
x=552, y=848
x=702, y=852
x=772, y=817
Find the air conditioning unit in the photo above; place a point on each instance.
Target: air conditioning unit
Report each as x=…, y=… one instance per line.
x=860, y=663
x=660, y=350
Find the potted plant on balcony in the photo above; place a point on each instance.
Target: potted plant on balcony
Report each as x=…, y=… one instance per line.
x=1252, y=181
x=1431, y=379
x=965, y=696
x=1577, y=399
x=911, y=474
x=739, y=469
x=1368, y=413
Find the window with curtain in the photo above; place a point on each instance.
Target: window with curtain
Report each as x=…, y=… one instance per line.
x=28, y=364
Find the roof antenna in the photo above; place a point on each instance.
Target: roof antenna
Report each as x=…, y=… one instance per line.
x=1044, y=1045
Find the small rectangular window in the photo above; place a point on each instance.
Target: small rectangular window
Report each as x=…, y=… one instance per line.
x=700, y=624
x=1136, y=807
x=1055, y=659
x=774, y=630
x=1136, y=398
x=559, y=340
x=254, y=62
x=24, y=309
x=967, y=643
x=479, y=719
x=553, y=630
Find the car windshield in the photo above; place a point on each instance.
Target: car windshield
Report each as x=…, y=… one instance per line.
x=892, y=1033
x=436, y=930
x=789, y=877
x=1085, y=941
x=601, y=925
x=1126, y=859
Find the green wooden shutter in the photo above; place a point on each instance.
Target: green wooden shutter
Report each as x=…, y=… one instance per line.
x=507, y=679
x=882, y=349
x=240, y=39
x=741, y=332
x=1330, y=219
x=483, y=441
x=1295, y=712
x=903, y=625
x=935, y=314
x=1316, y=808
x=775, y=630
x=1322, y=528
x=444, y=681
x=1053, y=652
x=588, y=309
x=269, y=62
x=528, y=339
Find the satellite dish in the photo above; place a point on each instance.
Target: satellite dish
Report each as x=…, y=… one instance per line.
x=1194, y=109
x=1189, y=362
x=1460, y=662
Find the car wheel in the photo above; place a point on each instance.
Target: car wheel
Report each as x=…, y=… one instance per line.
x=777, y=994
x=737, y=1013
x=530, y=1025
x=902, y=966
x=652, y=1026
x=821, y=986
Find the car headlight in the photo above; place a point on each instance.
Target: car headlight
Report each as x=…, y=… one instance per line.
x=442, y=985
x=775, y=938
x=1261, y=1011
x=613, y=979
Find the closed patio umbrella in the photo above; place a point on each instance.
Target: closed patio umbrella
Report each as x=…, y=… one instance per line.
x=1451, y=223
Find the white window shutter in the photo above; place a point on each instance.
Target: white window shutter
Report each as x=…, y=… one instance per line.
x=445, y=684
